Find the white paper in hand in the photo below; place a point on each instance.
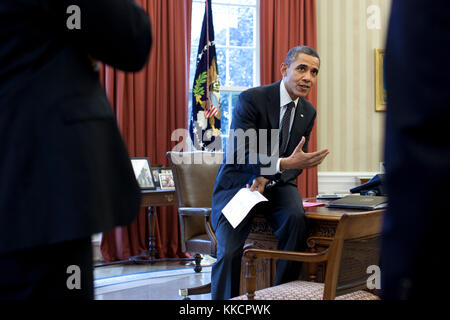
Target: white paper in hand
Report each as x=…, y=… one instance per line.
x=240, y=205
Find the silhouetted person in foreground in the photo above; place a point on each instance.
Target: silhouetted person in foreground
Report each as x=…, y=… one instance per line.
x=65, y=172
x=417, y=156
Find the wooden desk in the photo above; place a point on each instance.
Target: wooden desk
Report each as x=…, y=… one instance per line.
x=150, y=200
x=321, y=227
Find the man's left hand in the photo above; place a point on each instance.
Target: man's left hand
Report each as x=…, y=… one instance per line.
x=259, y=184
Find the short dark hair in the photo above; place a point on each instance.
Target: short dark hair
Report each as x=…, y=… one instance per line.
x=294, y=52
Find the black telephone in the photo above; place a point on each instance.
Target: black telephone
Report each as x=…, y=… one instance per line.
x=373, y=187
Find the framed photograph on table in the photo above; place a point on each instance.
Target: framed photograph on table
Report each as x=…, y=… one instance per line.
x=166, y=179
x=143, y=173
x=380, y=87
x=155, y=173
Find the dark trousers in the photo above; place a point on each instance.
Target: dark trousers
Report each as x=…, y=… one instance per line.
x=46, y=272
x=286, y=215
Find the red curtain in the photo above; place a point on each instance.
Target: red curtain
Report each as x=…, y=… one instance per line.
x=149, y=106
x=286, y=24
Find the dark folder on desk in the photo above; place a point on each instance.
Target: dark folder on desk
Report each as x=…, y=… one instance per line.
x=360, y=202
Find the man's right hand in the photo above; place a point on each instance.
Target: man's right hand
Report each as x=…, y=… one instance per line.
x=301, y=160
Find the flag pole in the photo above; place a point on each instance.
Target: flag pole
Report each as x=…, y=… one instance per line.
x=207, y=56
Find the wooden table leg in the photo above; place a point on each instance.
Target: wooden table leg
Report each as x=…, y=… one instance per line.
x=152, y=239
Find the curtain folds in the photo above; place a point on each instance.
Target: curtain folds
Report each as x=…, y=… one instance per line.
x=149, y=106
x=283, y=25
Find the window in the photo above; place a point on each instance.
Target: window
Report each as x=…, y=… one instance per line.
x=236, y=37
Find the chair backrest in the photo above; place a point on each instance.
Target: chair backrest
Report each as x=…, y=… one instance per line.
x=355, y=247
x=194, y=176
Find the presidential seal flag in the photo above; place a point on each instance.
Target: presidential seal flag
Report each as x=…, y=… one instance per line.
x=204, y=124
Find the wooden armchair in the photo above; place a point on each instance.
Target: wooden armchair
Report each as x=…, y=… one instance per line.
x=354, y=248
x=194, y=176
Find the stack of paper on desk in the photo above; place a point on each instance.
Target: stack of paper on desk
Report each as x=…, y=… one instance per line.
x=307, y=204
x=240, y=205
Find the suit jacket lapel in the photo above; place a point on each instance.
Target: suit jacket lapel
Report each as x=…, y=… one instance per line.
x=273, y=105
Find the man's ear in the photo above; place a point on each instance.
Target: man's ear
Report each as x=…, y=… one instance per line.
x=283, y=69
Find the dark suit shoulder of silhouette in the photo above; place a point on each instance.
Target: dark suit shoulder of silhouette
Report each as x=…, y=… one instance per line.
x=65, y=171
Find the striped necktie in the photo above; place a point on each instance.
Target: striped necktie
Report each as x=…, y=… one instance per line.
x=285, y=124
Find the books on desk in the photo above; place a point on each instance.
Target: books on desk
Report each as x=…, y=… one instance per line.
x=360, y=202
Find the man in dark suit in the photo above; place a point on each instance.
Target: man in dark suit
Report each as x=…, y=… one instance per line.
x=65, y=171
x=415, y=250
x=271, y=168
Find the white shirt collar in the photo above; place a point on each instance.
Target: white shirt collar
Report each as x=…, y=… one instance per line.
x=285, y=98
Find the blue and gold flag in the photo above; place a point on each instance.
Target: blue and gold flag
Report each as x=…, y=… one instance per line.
x=204, y=126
